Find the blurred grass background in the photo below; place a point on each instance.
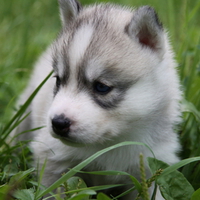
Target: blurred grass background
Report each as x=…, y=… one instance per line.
x=27, y=27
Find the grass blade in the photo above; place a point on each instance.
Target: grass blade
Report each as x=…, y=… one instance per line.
x=178, y=165
x=85, y=163
x=189, y=107
x=12, y=123
x=115, y=173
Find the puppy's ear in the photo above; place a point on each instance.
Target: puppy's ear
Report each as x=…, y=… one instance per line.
x=69, y=9
x=146, y=28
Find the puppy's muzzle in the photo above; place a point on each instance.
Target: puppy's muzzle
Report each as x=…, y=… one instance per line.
x=61, y=125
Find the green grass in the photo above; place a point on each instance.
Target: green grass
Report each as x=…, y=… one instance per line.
x=28, y=27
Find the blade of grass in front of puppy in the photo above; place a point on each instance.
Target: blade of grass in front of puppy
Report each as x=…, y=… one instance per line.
x=125, y=193
x=95, y=188
x=40, y=175
x=178, y=165
x=116, y=173
x=18, y=122
x=12, y=123
x=30, y=130
x=85, y=163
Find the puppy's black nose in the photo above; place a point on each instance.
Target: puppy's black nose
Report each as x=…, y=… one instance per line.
x=61, y=125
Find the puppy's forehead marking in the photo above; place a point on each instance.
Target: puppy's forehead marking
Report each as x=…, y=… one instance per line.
x=79, y=44
x=61, y=66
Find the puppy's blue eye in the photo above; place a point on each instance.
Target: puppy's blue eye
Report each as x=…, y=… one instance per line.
x=101, y=88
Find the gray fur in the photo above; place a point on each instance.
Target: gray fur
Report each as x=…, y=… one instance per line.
x=68, y=9
x=146, y=28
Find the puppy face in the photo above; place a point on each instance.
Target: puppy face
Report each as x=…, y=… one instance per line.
x=107, y=82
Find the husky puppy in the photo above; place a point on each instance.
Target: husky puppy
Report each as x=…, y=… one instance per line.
x=114, y=80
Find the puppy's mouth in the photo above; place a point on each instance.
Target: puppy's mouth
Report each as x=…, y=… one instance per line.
x=68, y=140
x=71, y=142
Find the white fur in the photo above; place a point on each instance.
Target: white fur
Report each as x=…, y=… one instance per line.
x=81, y=41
